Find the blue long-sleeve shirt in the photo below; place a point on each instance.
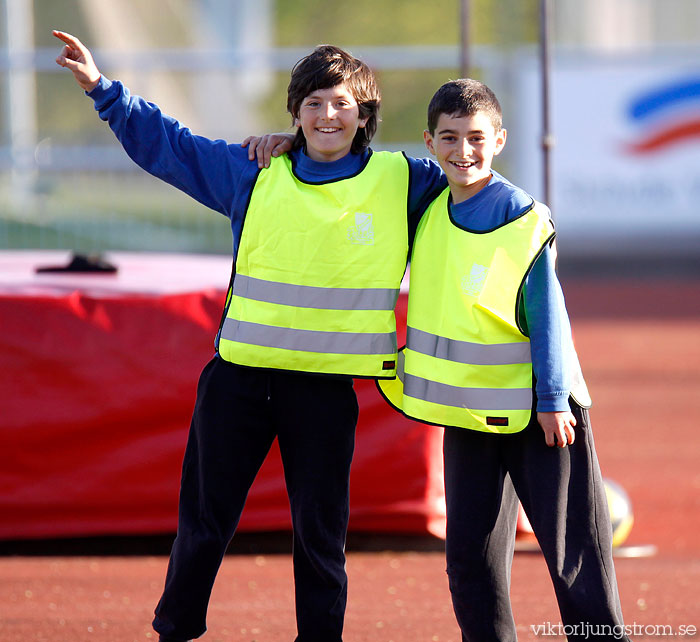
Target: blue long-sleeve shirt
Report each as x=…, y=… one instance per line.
x=220, y=176
x=543, y=312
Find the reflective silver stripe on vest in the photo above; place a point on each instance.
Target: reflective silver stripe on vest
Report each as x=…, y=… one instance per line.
x=308, y=340
x=307, y=296
x=472, y=398
x=498, y=354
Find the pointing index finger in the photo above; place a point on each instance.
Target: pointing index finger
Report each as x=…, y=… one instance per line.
x=68, y=39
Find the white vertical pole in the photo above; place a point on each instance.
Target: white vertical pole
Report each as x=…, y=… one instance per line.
x=21, y=97
x=242, y=25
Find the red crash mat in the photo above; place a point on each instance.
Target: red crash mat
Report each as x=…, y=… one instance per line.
x=98, y=377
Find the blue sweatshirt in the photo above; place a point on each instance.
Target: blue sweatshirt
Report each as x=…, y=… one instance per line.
x=220, y=176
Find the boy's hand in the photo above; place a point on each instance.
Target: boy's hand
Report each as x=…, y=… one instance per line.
x=77, y=57
x=264, y=147
x=558, y=427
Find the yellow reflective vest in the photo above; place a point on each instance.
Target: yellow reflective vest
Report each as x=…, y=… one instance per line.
x=467, y=362
x=318, y=272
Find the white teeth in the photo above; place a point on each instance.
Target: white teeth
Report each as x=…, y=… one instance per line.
x=327, y=130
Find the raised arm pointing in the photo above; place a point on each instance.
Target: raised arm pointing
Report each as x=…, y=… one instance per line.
x=77, y=57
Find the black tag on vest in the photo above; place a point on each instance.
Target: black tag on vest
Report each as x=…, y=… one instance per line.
x=496, y=421
x=388, y=365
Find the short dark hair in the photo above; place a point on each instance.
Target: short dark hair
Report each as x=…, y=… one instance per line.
x=464, y=97
x=325, y=67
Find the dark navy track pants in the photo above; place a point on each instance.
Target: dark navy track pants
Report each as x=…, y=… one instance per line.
x=561, y=490
x=238, y=413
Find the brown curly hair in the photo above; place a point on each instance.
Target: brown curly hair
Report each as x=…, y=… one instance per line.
x=325, y=67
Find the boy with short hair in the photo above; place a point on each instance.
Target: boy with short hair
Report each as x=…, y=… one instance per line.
x=487, y=323
x=320, y=247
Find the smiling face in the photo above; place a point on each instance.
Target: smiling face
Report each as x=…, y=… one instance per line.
x=329, y=119
x=464, y=147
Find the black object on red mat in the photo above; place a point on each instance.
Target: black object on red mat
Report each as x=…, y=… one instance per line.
x=82, y=263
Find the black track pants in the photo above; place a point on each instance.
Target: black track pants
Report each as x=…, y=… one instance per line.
x=238, y=413
x=561, y=490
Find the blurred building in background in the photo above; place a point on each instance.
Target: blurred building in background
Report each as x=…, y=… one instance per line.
x=625, y=98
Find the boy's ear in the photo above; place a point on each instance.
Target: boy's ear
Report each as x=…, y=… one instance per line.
x=428, y=138
x=500, y=141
